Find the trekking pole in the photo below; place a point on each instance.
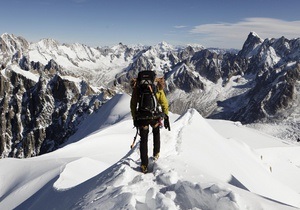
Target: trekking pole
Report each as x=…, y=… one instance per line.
x=137, y=131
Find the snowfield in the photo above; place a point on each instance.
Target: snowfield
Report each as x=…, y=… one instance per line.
x=204, y=164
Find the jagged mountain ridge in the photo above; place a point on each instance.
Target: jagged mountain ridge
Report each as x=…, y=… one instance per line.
x=38, y=113
x=259, y=83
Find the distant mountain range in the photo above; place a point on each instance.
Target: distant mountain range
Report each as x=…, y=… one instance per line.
x=47, y=88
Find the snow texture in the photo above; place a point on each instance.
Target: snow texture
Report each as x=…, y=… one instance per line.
x=204, y=164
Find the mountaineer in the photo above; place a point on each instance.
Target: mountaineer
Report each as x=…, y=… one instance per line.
x=149, y=106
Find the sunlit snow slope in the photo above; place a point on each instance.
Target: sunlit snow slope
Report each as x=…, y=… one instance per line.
x=204, y=164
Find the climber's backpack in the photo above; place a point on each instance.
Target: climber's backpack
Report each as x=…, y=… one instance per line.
x=146, y=90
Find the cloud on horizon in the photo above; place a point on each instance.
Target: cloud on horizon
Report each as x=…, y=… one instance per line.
x=180, y=26
x=233, y=35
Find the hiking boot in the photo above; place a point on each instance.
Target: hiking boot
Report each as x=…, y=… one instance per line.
x=156, y=156
x=144, y=169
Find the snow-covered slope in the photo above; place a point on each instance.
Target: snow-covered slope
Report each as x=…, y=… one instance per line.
x=204, y=164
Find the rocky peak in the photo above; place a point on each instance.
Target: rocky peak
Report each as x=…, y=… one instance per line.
x=10, y=43
x=187, y=52
x=207, y=64
x=184, y=78
x=164, y=47
x=251, y=45
x=52, y=66
x=12, y=48
x=48, y=44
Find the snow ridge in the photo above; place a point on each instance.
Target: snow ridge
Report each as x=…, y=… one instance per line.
x=161, y=189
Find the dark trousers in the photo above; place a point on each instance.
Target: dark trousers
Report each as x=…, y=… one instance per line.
x=144, y=131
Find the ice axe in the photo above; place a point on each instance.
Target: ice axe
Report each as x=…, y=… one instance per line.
x=137, y=131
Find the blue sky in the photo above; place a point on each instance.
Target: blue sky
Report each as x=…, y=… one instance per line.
x=218, y=23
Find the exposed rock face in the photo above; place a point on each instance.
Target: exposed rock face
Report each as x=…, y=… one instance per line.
x=273, y=97
x=275, y=65
x=38, y=116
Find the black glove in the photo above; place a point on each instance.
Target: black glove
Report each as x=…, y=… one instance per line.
x=167, y=123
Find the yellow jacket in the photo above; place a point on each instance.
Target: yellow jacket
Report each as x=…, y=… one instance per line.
x=161, y=99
